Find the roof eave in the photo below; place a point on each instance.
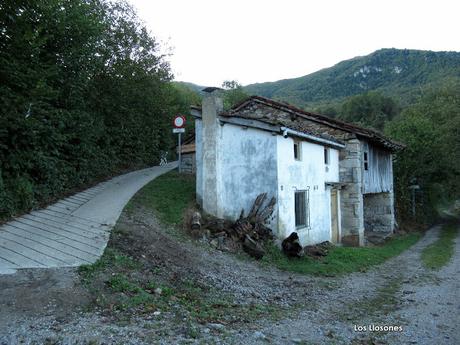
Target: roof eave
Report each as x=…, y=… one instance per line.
x=366, y=133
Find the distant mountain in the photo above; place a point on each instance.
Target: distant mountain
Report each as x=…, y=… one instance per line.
x=401, y=74
x=193, y=87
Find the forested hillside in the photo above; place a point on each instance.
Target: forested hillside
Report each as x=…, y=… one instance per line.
x=84, y=94
x=430, y=127
x=401, y=74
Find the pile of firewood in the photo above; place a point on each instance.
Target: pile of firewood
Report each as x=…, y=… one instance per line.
x=292, y=248
x=249, y=231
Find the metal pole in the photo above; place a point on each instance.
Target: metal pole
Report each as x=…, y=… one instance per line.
x=180, y=153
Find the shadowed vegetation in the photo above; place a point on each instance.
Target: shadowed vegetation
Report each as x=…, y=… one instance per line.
x=85, y=95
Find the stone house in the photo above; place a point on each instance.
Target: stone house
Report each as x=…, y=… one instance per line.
x=332, y=180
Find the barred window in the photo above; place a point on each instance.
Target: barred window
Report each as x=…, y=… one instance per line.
x=302, y=209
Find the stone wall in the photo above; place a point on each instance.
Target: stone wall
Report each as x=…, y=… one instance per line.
x=378, y=216
x=351, y=200
x=188, y=163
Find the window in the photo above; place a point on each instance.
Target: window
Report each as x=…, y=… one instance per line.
x=326, y=156
x=366, y=161
x=302, y=209
x=297, y=153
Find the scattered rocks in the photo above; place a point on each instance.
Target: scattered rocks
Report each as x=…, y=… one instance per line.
x=216, y=326
x=259, y=335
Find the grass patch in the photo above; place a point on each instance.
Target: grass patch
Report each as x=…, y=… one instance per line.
x=383, y=303
x=440, y=252
x=111, y=258
x=169, y=195
x=341, y=260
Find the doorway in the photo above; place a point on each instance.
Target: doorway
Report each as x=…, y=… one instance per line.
x=335, y=216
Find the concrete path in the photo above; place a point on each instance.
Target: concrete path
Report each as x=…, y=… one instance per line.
x=74, y=231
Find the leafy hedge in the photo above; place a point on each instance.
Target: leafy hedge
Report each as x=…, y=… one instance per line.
x=84, y=94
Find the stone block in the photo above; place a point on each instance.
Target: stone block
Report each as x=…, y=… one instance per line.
x=351, y=240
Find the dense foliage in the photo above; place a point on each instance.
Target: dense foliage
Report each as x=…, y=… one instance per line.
x=400, y=74
x=84, y=94
x=369, y=110
x=431, y=131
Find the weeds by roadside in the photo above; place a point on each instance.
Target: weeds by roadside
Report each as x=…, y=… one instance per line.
x=341, y=260
x=440, y=252
x=121, y=284
x=384, y=302
x=168, y=195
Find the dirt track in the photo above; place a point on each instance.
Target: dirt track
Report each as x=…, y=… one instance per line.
x=39, y=306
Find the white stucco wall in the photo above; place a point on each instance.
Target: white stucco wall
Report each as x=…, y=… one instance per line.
x=199, y=161
x=252, y=161
x=248, y=167
x=307, y=173
x=332, y=171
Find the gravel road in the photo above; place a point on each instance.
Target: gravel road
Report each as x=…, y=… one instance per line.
x=421, y=306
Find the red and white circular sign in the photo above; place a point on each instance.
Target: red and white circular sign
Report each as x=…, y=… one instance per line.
x=179, y=121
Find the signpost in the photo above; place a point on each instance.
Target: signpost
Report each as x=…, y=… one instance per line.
x=413, y=188
x=179, y=123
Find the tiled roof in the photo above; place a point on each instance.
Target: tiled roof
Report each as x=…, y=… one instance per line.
x=303, y=126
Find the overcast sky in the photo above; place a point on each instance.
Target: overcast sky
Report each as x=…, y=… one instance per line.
x=263, y=40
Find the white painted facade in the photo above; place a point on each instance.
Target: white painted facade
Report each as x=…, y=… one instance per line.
x=308, y=173
x=250, y=161
x=246, y=167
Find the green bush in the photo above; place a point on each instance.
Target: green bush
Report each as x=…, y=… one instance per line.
x=85, y=94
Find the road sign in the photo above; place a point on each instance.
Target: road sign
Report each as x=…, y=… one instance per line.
x=179, y=121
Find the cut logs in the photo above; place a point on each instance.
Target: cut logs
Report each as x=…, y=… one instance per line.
x=196, y=221
x=250, y=232
x=291, y=246
x=318, y=250
x=253, y=248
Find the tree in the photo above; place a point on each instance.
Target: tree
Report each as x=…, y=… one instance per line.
x=431, y=131
x=85, y=94
x=370, y=110
x=233, y=93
